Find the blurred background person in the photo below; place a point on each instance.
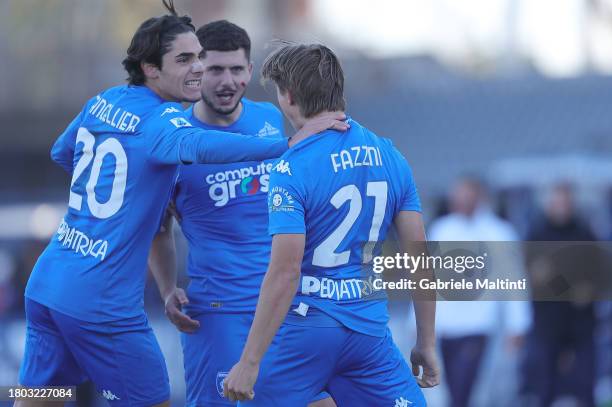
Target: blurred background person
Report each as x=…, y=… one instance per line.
x=464, y=327
x=560, y=360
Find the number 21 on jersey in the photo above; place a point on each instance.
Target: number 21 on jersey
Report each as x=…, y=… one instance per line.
x=325, y=253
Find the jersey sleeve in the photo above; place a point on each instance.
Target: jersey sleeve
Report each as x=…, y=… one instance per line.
x=285, y=203
x=410, y=199
x=175, y=140
x=62, y=151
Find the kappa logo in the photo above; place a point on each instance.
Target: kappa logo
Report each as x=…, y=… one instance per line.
x=170, y=110
x=402, y=402
x=220, y=379
x=268, y=130
x=283, y=167
x=107, y=394
x=180, y=122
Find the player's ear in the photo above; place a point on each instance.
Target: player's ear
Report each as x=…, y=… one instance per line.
x=151, y=71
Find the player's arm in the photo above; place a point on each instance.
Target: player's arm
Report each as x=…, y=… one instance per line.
x=177, y=141
x=62, y=151
x=286, y=225
x=162, y=262
x=411, y=234
x=277, y=291
x=209, y=146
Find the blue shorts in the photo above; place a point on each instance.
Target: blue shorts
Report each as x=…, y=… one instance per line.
x=122, y=358
x=358, y=370
x=209, y=354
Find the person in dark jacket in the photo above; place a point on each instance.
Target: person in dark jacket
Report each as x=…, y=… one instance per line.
x=560, y=359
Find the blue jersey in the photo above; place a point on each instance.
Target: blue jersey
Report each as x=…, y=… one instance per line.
x=342, y=191
x=224, y=217
x=123, y=151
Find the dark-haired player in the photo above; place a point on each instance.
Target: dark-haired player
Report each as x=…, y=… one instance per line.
x=224, y=216
x=84, y=298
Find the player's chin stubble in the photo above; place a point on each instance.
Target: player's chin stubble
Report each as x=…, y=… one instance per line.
x=218, y=110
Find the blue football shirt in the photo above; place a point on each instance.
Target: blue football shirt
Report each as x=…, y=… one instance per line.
x=123, y=152
x=342, y=191
x=224, y=217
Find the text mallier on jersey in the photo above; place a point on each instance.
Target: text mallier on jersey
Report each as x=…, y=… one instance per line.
x=114, y=116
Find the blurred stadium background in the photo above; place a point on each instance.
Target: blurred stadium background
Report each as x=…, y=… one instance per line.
x=517, y=92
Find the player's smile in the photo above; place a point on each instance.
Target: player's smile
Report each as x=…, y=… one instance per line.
x=193, y=88
x=193, y=83
x=226, y=97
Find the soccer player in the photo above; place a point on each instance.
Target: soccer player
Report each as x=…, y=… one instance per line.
x=223, y=214
x=332, y=199
x=84, y=298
